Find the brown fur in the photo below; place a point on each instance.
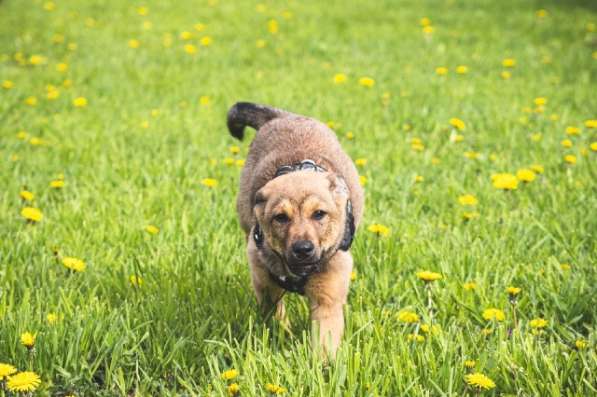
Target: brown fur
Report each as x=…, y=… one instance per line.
x=288, y=140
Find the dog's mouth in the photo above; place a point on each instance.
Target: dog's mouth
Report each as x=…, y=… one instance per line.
x=303, y=269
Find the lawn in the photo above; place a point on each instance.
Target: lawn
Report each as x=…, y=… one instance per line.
x=473, y=127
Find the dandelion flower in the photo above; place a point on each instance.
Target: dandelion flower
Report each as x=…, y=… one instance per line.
x=470, y=363
x=428, y=276
x=349, y=135
x=379, y=229
x=229, y=374
x=142, y=10
x=37, y=60
x=509, y=63
x=570, y=159
x=579, y=343
x=52, y=318
x=462, y=69
x=494, y=314
x=353, y=275
x=209, y=182
x=6, y=370
x=151, y=229
x=136, y=281
x=419, y=178
x=526, y=175
x=62, y=67
x=513, y=291
x=441, y=70
x=57, y=184
x=272, y=26
x=362, y=180
x=366, y=82
x=234, y=149
x=199, y=27
x=479, y=381
x=428, y=29
x=190, y=48
x=567, y=143
x=340, y=78
x=206, y=41
x=457, y=123
x=185, y=35
x=260, y=43
x=504, y=181
x=572, y=130
x=538, y=168
x=28, y=340
x=80, y=102
x=433, y=330
x=26, y=195
x=470, y=215
x=591, y=123
x=7, y=84
x=538, y=323
x=407, y=316
x=415, y=338
x=233, y=389
x=31, y=101
x=74, y=264
x=425, y=21
x=505, y=75
x=32, y=214
x=469, y=286
x=275, y=389
x=468, y=199
x=134, y=43
x=23, y=382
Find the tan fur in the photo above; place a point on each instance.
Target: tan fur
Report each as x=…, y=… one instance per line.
x=286, y=141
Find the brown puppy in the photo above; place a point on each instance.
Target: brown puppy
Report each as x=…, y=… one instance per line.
x=299, y=204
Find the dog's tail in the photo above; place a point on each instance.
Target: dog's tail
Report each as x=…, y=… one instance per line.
x=244, y=114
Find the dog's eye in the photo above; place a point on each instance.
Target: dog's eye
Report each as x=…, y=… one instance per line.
x=318, y=215
x=281, y=218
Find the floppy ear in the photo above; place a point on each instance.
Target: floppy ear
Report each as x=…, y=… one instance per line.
x=339, y=188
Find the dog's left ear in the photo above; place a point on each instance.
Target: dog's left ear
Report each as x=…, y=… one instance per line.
x=339, y=187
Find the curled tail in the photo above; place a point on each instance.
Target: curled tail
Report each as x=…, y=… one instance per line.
x=244, y=114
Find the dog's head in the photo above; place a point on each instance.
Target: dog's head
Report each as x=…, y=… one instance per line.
x=304, y=217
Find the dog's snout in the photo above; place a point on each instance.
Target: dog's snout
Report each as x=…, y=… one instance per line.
x=303, y=249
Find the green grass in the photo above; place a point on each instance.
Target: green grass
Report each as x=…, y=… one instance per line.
x=195, y=316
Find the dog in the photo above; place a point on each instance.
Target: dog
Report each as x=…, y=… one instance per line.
x=299, y=204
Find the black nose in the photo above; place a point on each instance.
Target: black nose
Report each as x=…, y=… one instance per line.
x=303, y=249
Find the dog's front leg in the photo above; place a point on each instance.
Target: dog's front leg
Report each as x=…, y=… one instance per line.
x=327, y=293
x=269, y=295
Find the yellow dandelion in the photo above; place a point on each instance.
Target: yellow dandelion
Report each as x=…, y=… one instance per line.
x=240, y=163
x=31, y=101
x=349, y=135
x=142, y=10
x=526, y=175
x=71, y=46
x=61, y=67
x=513, y=291
x=37, y=59
x=6, y=370
x=340, y=78
x=53, y=94
x=541, y=13
x=470, y=363
x=134, y=43
x=538, y=323
x=366, y=82
x=52, y=318
x=57, y=184
x=233, y=389
x=509, y=63
x=538, y=168
x=80, y=102
x=469, y=286
x=479, y=381
x=457, y=123
x=470, y=215
x=565, y=266
x=272, y=26
x=190, y=48
x=353, y=275
x=152, y=229
x=579, y=343
x=419, y=178
x=591, y=123
x=26, y=195
x=74, y=264
x=28, y=340
x=472, y=155
x=67, y=83
x=505, y=75
x=462, y=69
x=7, y=84
x=441, y=70
x=415, y=338
x=494, y=314
x=570, y=130
x=379, y=229
x=570, y=159
x=32, y=214
x=593, y=146
x=209, y=182
x=204, y=100
x=275, y=389
x=136, y=281
x=228, y=161
x=229, y=374
x=407, y=316
x=428, y=276
x=433, y=330
x=425, y=21
x=468, y=199
x=147, y=25
x=567, y=143
x=428, y=30
x=185, y=35
x=362, y=180
x=206, y=41
x=504, y=181
x=234, y=149
x=536, y=137
x=260, y=43
x=23, y=382
x=199, y=27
